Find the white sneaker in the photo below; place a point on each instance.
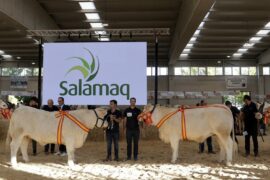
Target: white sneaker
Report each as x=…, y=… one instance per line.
x=63, y=154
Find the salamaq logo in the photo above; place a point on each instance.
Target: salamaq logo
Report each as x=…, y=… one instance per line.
x=89, y=71
x=86, y=68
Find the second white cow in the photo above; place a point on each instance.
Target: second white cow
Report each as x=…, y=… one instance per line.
x=201, y=123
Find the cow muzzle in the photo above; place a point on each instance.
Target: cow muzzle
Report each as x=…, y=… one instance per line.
x=146, y=117
x=6, y=113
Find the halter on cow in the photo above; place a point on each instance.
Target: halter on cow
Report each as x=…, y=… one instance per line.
x=5, y=109
x=98, y=118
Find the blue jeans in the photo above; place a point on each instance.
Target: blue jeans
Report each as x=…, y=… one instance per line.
x=34, y=146
x=132, y=136
x=112, y=137
x=209, y=144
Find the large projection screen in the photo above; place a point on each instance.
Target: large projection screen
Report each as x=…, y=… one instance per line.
x=95, y=73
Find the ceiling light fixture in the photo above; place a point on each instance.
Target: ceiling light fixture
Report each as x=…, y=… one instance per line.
x=201, y=25
x=263, y=32
x=242, y=50
x=96, y=25
x=207, y=15
x=255, y=39
x=104, y=39
x=248, y=45
x=87, y=5
x=197, y=32
x=92, y=16
x=186, y=50
x=100, y=32
x=267, y=25
x=237, y=54
x=193, y=39
x=6, y=56
x=183, y=55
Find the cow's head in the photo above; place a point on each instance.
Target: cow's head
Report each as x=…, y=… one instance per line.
x=146, y=115
x=258, y=116
x=266, y=107
x=5, y=110
x=101, y=122
x=3, y=104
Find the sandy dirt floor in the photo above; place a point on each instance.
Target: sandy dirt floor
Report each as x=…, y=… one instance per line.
x=153, y=163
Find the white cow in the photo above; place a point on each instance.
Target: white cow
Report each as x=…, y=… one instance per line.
x=28, y=123
x=200, y=124
x=265, y=105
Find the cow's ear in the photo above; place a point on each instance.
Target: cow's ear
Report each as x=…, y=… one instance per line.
x=147, y=107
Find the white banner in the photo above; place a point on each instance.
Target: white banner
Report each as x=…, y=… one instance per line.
x=19, y=93
x=18, y=82
x=236, y=82
x=95, y=73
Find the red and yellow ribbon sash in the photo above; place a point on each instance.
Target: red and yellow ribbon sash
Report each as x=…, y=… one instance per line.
x=62, y=115
x=183, y=124
x=266, y=117
x=165, y=118
x=183, y=121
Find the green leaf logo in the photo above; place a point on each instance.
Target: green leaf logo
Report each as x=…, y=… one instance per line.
x=88, y=70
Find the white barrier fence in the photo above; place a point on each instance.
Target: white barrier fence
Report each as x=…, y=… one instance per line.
x=197, y=94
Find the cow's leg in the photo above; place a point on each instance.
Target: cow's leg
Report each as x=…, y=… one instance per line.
x=70, y=152
x=227, y=142
x=174, y=144
x=14, y=146
x=229, y=150
x=24, y=147
x=222, y=154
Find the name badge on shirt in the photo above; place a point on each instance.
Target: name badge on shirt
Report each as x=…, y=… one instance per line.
x=129, y=114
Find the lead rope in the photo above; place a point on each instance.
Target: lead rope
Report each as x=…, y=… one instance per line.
x=183, y=124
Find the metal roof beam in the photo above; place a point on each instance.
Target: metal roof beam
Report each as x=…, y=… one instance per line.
x=191, y=14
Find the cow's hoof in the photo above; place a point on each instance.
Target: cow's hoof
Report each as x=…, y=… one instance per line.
x=71, y=163
x=228, y=164
x=75, y=168
x=26, y=160
x=13, y=162
x=14, y=165
x=173, y=161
